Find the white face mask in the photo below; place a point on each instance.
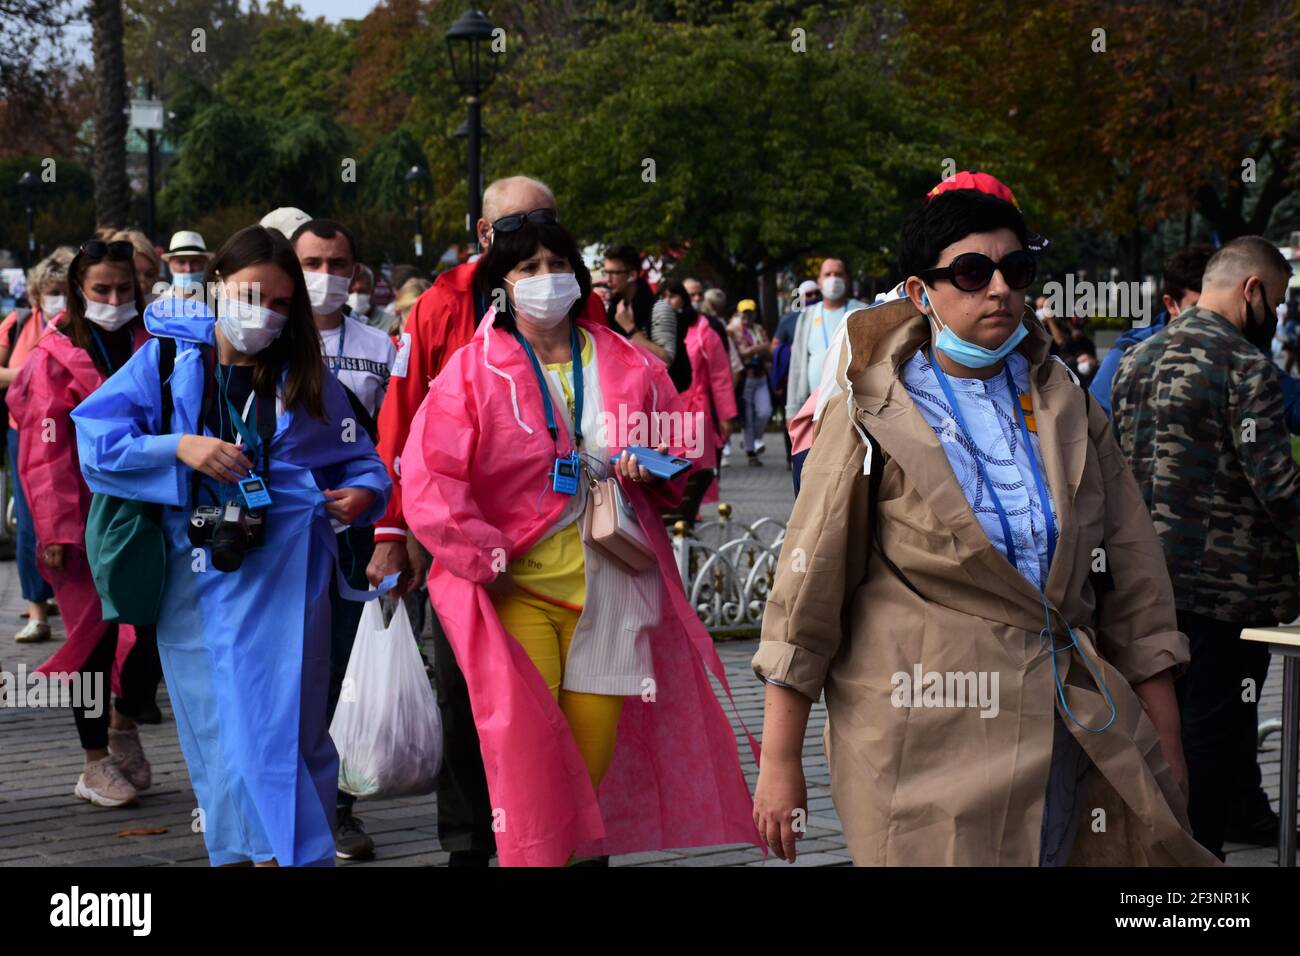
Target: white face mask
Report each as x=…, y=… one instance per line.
x=52, y=305
x=832, y=287
x=327, y=292
x=110, y=318
x=249, y=328
x=545, y=300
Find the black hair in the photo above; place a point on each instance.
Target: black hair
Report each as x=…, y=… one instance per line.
x=508, y=249
x=950, y=217
x=674, y=287
x=627, y=255
x=326, y=229
x=75, y=325
x=1185, y=269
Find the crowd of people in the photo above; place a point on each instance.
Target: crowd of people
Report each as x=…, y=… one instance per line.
x=283, y=448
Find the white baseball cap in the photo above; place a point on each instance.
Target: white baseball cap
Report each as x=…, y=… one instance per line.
x=286, y=219
x=186, y=243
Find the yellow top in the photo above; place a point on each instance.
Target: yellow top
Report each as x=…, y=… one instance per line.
x=554, y=569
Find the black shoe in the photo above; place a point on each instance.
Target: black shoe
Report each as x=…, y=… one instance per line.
x=592, y=861
x=1262, y=831
x=471, y=858
x=350, y=841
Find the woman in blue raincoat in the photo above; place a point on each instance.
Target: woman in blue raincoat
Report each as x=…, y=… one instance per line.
x=245, y=651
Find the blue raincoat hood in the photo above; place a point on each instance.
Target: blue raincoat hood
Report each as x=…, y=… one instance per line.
x=175, y=317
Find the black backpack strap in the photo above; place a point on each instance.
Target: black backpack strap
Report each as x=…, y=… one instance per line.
x=363, y=416
x=265, y=432
x=205, y=403
x=166, y=365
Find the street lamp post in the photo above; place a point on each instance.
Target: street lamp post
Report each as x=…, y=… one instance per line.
x=416, y=178
x=27, y=186
x=147, y=116
x=485, y=135
x=473, y=66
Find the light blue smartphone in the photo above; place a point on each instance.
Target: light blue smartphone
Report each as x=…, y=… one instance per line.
x=661, y=466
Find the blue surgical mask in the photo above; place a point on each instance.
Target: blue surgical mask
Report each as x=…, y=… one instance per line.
x=185, y=281
x=968, y=353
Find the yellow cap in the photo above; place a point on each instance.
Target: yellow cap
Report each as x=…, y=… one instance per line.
x=747, y=305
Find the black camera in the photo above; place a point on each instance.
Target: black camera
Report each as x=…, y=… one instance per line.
x=230, y=530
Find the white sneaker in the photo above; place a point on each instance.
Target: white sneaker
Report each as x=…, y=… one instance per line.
x=33, y=632
x=103, y=784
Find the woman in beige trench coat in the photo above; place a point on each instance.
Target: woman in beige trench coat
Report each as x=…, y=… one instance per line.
x=955, y=735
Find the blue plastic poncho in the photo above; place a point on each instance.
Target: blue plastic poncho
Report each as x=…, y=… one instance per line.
x=246, y=654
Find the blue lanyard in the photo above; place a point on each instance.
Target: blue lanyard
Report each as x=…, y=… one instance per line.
x=338, y=356
x=108, y=363
x=251, y=441
x=1043, y=496
x=575, y=346
x=1045, y=635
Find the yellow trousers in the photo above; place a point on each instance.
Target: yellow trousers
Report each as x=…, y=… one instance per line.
x=544, y=630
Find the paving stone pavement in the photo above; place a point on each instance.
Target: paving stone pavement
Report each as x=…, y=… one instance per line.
x=42, y=824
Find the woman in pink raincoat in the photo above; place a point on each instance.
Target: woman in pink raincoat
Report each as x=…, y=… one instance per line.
x=711, y=397
x=589, y=682
x=100, y=330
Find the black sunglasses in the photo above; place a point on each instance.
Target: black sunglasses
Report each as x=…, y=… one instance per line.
x=515, y=221
x=972, y=271
x=117, y=251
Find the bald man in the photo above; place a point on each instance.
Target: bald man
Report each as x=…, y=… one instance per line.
x=813, y=332
x=1198, y=412
x=442, y=320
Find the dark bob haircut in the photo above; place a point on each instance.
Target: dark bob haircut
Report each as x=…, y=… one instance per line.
x=508, y=249
x=950, y=217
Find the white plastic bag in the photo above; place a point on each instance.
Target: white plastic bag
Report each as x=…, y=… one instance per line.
x=386, y=726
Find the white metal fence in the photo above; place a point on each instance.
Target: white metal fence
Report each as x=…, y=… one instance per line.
x=727, y=568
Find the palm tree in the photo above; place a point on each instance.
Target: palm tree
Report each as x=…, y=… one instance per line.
x=112, y=191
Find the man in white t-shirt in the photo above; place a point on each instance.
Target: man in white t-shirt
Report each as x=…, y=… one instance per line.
x=814, y=332
x=361, y=358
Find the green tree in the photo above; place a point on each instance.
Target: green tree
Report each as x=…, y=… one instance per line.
x=222, y=161
x=384, y=170
x=726, y=139
x=293, y=68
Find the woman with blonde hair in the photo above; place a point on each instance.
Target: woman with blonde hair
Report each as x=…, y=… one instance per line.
x=47, y=292
x=148, y=264
x=411, y=290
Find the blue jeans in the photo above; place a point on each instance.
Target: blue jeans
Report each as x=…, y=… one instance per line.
x=34, y=587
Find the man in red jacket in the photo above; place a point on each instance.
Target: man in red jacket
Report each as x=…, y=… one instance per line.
x=442, y=320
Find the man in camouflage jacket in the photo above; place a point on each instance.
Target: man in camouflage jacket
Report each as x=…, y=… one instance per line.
x=1198, y=412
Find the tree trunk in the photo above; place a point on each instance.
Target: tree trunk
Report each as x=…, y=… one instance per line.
x=112, y=191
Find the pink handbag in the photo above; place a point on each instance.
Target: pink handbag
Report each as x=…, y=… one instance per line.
x=610, y=526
